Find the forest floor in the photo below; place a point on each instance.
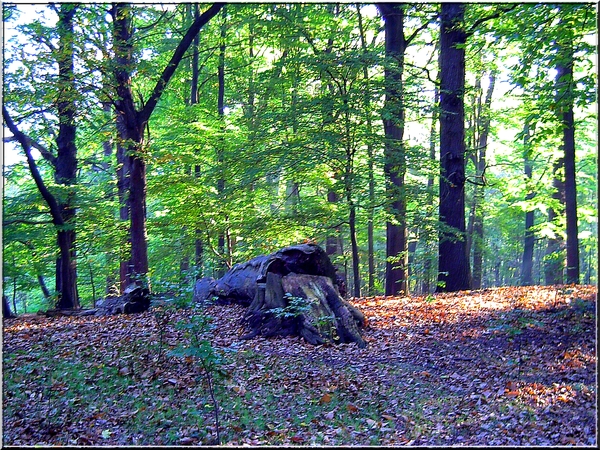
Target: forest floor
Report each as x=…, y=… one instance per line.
x=506, y=366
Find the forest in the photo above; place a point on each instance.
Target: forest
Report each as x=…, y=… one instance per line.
x=164, y=143
x=428, y=171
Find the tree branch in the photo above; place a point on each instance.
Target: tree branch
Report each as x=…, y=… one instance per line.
x=46, y=194
x=490, y=17
x=169, y=71
x=47, y=154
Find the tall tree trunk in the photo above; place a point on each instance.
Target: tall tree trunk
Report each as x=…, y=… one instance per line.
x=453, y=268
x=66, y=161
x=221, y=266
x=123, y=182
x=49, y=198
x=529, y=239
x=194, y=99
x=433, y=138
x=394, y=157
x=564, y=82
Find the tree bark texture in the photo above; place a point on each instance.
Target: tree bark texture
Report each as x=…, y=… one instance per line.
x=453, y=267
x=66, y=161
x=394, y=156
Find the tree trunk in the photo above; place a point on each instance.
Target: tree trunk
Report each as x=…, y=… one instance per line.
x=66, y=161
x=433, y=139
x=6, y=312
x=564, y=82
x=529, y=240
x=453, y=267
x=554, y=259
x=482, y=132
x=221, y=265
x=370, y=166
x=394, y=156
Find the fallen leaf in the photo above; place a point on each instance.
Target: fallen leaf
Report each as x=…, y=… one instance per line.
x=325, y=399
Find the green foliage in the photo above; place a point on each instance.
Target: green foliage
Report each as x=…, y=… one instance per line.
x=296, y=306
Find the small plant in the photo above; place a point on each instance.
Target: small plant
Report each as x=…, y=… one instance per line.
x=198, y=348
x=296, y=307
x=430, y=298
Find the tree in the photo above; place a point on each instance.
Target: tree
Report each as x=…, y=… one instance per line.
x=62, y=207
x=395, y=164
x=529, y=239
x=564, y=102
x=453, y=267
x=133, y=121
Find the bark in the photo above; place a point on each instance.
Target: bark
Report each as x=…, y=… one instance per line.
x=6, y=312
x=394, y=156
x=221, y=149
x=312, y=308
x=68, y=294
x=482, y=132
x=453, y=266
x=554, y=260
x=370, y=167
x=428, y=264
x=194, y=99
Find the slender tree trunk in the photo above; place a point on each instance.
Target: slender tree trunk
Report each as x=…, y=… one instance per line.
x=194, y=99
x=453, y=268
x=221, y=269
x=433, y=138
x=529, y=240
x=370, y=166
x=43, y=287
x=483, y=128
x=554, y=260
x=394, y=156
x=564, y=81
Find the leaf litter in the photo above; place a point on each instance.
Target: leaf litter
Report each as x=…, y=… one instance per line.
x=502, y=366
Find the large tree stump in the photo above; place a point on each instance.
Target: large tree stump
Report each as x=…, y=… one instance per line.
x=290, y=292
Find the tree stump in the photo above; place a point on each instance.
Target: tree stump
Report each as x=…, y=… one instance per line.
x=290, y=292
